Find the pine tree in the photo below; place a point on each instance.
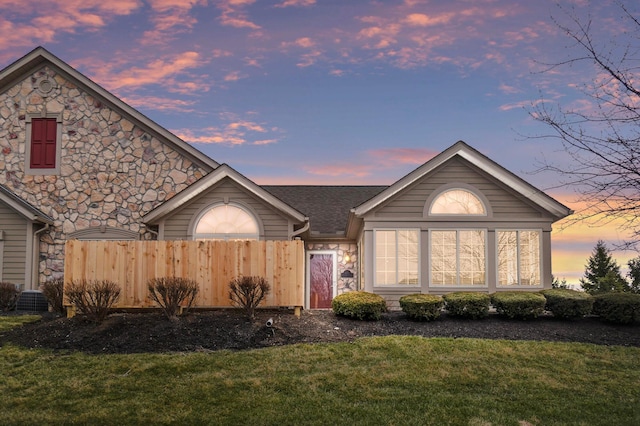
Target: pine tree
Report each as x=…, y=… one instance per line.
x=602, y=273
x=634, y=274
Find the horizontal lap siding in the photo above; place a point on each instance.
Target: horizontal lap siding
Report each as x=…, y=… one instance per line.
x=275, y=226
x=504, y=203
x=14, y=228
x=212, y=264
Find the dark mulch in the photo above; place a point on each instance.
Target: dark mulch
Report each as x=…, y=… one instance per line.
x=230, y=329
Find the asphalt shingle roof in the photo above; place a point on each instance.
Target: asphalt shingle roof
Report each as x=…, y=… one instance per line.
x=326, y=206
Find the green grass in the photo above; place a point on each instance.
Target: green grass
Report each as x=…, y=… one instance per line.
x=387, y=380
x=8, y=322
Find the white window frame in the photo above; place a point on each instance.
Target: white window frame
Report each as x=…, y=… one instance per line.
x=457, y=284
x=518, y=266
x=375, y=258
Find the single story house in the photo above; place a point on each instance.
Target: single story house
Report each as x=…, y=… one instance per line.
x=79, y=163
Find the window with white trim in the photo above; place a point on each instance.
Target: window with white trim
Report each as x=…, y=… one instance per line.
x=457, y=201
x=518, y=258
x=458, y=257
x=396, y=256
x=226, y=222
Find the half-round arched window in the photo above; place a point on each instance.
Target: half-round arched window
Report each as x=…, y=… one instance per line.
x=457, y=201
x=226, y=222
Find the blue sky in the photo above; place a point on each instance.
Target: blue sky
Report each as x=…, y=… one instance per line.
x=334, y=91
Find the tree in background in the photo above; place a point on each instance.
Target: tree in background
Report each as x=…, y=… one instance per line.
x=634, y=275
x=602, y=273
x=601, y=134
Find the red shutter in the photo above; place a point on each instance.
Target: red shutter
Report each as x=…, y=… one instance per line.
x=43, y=143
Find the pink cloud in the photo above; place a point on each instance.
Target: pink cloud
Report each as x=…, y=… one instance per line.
x=401, y=156
x=235, y=132
x=154, y=72
x=297, y=3
x=233, y=14
x=159, y=103
x=423, y=20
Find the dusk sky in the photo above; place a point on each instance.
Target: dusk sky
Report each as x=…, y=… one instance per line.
x=340, y=92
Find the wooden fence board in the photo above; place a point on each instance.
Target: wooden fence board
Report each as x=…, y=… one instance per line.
x=212, y=264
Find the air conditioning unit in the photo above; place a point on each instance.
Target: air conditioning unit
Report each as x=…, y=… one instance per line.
x=33, y=301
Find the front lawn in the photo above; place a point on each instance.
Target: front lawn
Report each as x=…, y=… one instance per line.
x=384, y=380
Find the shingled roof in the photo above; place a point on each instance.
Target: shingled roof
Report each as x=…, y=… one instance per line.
x=327, y=207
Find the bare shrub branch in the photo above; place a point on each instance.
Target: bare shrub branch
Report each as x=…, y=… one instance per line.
x=248, y=292
x=53, y=290
x=172, y=292
x=8, y=296
x=93, y=298
x=602, y=135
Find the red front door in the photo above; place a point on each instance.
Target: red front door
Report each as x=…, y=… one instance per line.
x=321, y=275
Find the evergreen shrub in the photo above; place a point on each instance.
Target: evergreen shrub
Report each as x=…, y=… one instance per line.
x=467, y=304
x=421, y=307
x=568, y=304
x=519, y=305
x=617, y=308
x=360, y=305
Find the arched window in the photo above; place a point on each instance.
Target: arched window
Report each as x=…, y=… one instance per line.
x=457, y=202
x=226, y=222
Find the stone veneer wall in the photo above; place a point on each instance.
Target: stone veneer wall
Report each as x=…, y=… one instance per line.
x=344, y=284
x=112, y=172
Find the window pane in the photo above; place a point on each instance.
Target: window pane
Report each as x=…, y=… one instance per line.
x=397, y=259
x=529, y=258
x=457, y=202
x=507, y=257
x=385, y=257
x=472, y=257
x=443, y=258
x=518, y=258
x=408, y=257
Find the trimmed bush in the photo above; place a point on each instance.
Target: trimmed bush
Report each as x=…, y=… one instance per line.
x=93, y=298
x=359, y=305
x=173, y=292
x=248, y=292
x=53, y=291
x=618, y=308
x=467, y=304
x=568, y=304
x=520, y=305
x=8, y=296
x=421, y=307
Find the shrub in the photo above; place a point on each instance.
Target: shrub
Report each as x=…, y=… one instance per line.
x=93, y=298
x=8, y=296
x=467, y=304
x=172, y=292
x=421, y=307
x=359, y=305
x=619, y=308
x=568, y=304
x=248, y=292
x=520, y=305
x=53, y=290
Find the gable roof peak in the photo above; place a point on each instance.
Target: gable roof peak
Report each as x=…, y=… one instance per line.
x=40, y=56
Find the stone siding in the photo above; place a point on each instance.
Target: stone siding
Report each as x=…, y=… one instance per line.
x=346, y=284
x=112, y=171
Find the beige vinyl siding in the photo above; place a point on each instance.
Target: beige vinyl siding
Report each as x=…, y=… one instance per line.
x=503, y=202
x=14, y=254
x=275, y=226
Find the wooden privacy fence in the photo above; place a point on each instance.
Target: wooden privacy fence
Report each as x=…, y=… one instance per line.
x=212, y=264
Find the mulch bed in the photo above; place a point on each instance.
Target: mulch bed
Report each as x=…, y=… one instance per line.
x=134, y=332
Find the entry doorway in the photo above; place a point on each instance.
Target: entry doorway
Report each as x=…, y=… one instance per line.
x=322, y=278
